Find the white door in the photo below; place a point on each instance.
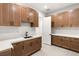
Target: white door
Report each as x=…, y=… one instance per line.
x=46, y=30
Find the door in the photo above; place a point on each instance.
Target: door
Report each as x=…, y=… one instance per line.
x=46, y=30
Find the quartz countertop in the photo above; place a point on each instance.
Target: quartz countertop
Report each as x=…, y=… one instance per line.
x=7, y=44
x=67, y=35
x=22, y=39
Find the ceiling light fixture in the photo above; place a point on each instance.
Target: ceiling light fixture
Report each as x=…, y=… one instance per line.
x=46, y=8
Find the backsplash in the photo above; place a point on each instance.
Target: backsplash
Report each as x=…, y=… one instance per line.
x=10, y=32
x=66, y=30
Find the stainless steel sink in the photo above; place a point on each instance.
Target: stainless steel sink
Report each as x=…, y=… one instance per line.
x=27, y=36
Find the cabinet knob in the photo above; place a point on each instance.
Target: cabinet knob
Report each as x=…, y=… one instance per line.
x=23, y=47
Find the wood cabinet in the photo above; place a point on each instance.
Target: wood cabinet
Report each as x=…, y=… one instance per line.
x=66, y=19
x=74, y=18
x=16, y=14
x=31, y=46
x=26, y=47
x=18, y=49
x=13, y=15
x=5, y=14
x=10, y=14
x=66, y=42
x=60, y=20
x=29, y=15
x=6, y=52
x=56, y=40
x=74, y=42
x=54, y=21
x=33, y=17
x=24, y=14
x=1, y=14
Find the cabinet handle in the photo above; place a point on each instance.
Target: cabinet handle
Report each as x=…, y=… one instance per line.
x=31, y=24
x=52, y=24
x=23, y=47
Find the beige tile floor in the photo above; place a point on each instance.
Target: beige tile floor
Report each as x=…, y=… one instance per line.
x=48, y=50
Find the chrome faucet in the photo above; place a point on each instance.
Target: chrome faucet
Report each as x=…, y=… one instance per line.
x=26, y=34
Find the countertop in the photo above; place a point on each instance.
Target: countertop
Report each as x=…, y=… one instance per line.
x=22, y=39
x=67, y=35
x=7, y=44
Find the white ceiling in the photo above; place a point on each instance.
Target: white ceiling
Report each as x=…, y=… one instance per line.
x=52, y=7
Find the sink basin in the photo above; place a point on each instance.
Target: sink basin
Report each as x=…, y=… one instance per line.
x=27, y=36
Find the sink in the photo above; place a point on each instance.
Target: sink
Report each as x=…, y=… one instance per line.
x=27, y=36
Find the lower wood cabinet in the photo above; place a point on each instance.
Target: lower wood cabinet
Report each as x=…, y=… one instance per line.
x=18, y=49
x=66, y=42
x=26, y=47
x=6, y=52
x=31, y=46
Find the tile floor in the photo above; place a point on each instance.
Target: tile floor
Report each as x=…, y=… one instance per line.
x=48, y=50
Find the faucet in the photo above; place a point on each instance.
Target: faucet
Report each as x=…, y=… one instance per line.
x=26, y=34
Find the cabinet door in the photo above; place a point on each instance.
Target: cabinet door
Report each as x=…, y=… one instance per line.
x=55, y=21
x=56, y=40
x=16, y=15
x=63, y=19
x=18, y=49
x=1, y=21
x=24, y=14
x=28, y=47
x=36, y=44
x=33, y=16
x=74, y=18
x=65, y=42
x=11, y=18
x=74, y=44
x=5, y=14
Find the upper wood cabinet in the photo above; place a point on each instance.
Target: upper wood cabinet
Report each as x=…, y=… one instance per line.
x=66, y=19
x=5, y=14
x=60, y=20
x=9, y=15
x=1, y=14
x=13, y=15
x=24, y=14
x=33, y=17
x=74, y=18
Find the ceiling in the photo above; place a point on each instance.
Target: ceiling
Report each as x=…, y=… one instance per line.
x=47, y=8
